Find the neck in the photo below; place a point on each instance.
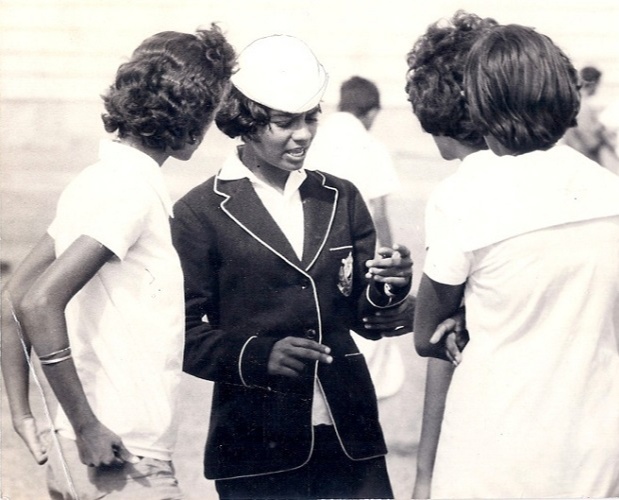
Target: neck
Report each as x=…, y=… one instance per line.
x=159, y=156
x=498, y=148
x=462, y=151
x=273, y=176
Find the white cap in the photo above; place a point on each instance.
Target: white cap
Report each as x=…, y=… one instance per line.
x=282, y=73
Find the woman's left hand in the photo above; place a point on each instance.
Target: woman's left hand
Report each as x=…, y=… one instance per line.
x=394, y=321
x=394, y=267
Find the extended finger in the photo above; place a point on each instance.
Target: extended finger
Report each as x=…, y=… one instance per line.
x=388, y=262
x=124, y=454
x=33, y=440
x=300, y=342
x=312, y=354
x=397, y=331
x=386, y=322
x=453, y=352
x=377, y=324
x=285, y=372
x=443, y=329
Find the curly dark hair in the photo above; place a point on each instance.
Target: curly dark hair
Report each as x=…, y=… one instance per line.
x=169, y=90
x=435, y=77
x=521, y=88
x=240, y=116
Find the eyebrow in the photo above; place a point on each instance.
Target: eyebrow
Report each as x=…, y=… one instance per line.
x=283, y=114
x=286, y=115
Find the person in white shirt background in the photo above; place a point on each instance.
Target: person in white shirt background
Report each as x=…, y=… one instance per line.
x=345, y=147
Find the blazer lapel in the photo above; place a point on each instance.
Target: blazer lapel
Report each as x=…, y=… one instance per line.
x=244, y=207
x=319, y=205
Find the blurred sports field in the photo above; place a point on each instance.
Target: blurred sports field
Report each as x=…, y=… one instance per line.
x=33, y=174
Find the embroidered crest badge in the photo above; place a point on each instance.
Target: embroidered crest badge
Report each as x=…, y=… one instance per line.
x=345, y=276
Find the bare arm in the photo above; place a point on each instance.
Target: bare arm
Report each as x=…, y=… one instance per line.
x=438, y=379
x=435, y=303
x=42, y=315
x=16, y=347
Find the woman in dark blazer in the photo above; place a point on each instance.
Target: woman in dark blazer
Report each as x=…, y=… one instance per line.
x=278, y=270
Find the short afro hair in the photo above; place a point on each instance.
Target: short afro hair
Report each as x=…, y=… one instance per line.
x=435, y=77
x=170, y=88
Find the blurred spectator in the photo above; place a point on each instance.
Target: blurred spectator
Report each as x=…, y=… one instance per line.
x=609, y=154
x=588, y=136
x=343, y=146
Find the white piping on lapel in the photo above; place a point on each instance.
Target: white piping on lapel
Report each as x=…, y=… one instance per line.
x=292, y=264
x=328, y=231
x=244, y=228
x=264, y=243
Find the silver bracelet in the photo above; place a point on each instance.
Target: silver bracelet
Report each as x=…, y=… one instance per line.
x=55, y=353
x=54, y=361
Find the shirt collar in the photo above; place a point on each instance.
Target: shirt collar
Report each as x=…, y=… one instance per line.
x=234, y=169
x=139, y=163
x=499, y=197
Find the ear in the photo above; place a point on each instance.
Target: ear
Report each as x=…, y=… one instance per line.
x=369, y=117
x=496, y=147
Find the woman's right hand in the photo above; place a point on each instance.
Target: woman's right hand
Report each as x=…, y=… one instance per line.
x=454, y=334
x=99, y=446
x=27, y=430
x=291, y=355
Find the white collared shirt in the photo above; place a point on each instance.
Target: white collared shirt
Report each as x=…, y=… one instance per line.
x=490, y=199
x=287, y=210
x=126, y=325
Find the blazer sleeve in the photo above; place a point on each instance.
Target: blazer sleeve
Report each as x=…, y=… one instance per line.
x=211, y=352
x=374, y=296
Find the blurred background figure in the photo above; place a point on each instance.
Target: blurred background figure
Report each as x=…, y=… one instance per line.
x=588, y=136
x=344, y=147
x=609, y=119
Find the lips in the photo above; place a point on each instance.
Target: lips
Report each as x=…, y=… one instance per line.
x=297, y=153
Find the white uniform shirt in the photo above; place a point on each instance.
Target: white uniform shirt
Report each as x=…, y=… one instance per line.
x=287, y=210
x=533, y=408
x=126, y=325
x=345, y=148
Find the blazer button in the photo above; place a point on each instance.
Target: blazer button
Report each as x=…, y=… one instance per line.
x=304, y=284
x=310, y=333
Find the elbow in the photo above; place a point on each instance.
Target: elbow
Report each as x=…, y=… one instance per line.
x=11, y=300
x=32, y=306
x=424, y=348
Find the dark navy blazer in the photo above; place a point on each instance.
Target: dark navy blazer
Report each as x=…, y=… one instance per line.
x=245, y=289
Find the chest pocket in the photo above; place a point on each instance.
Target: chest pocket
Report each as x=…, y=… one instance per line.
x=343, y=260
